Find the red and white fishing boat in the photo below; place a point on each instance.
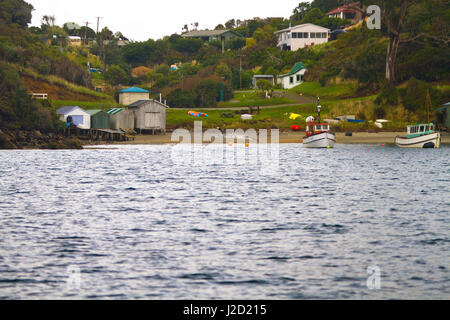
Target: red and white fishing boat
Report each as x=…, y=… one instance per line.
x=318, y=134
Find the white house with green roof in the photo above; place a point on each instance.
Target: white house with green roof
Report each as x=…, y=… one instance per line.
x=294, y=77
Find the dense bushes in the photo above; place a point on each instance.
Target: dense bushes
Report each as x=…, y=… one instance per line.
x=17, y=110
x=206, y=94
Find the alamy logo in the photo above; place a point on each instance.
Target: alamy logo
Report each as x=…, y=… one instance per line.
x=74, y=278
x=374, y=20
x=374, y=279
x=232, y=147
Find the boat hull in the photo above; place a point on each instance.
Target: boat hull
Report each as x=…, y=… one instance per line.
x=432, y=140
x=321, y=140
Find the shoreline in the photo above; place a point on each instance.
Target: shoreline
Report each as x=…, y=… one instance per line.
x=285, y=137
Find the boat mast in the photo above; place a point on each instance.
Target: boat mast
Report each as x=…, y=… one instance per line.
x=319, y=107
x=428, y=102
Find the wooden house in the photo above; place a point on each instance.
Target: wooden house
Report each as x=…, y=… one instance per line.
x=99, y=119
x=79, y=117
x=150, y=115
x=121, y=119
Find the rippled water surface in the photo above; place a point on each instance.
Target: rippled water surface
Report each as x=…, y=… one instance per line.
x=138, y=225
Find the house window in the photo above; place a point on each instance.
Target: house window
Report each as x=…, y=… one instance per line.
x=313, y=35
x=294, y=35
x=318, y=35
x=299, y=78
x=324, y=35
x=291, y=80
x=305, y=35
x=300, y=35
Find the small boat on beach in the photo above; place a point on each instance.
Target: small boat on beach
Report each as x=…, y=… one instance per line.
x=318, y=135
x=420, y=136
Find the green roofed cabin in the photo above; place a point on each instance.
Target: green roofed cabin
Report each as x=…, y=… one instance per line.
x=133, y=94
x=294, y=77
x=444, y=111
x=121, y=119
x=99, y=119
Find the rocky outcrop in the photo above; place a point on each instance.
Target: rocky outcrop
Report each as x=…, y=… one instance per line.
x=19, y=139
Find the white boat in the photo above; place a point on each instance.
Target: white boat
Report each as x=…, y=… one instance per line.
x=420, y=136
x=320, y=140
x=318, y=135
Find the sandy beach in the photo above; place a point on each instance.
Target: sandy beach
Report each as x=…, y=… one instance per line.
x=294, y=137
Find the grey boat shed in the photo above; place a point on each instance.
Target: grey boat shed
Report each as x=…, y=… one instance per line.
x=150, y=115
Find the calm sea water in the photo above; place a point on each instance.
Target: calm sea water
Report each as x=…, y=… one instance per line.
x=132, y=223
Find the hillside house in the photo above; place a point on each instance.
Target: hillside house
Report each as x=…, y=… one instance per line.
x=150, y=115
x=133, y=94
x=301, y=36
x=347, y=12
x=80, y=117
x=74, y=41
x=294, y=77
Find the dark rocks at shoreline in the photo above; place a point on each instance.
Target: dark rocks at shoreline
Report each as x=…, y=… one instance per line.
x=34, y=139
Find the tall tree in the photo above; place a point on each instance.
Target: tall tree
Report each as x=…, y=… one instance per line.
x=15, y=11
x=395, y=14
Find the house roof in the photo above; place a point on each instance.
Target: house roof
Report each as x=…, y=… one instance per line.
x=302, y=26
x=444, y=107
x=137, y=104
x=94, y=112
x=66, y=110
x=114, y=111
x=208, y=33
x=134, y=90
x=346, y=9
x=296, y=68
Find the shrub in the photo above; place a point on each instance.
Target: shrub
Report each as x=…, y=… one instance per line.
x=387, y=96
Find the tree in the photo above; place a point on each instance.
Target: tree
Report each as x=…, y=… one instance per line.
x=115, y=75
x=15, y=12
x=230, y=24
x=223, y=71
x=301, y=10
x=395, y=14
x=313, y=16
x=48, y=20
x=327, y=5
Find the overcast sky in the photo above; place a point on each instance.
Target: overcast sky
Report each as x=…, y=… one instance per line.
x=140, y=20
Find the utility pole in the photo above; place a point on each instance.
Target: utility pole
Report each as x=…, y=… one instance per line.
x=98, y=23
x=85, y=32
x=87, y=44
x=240, y=70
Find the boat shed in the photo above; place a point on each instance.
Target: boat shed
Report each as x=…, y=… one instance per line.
x=150, y=115
x=99, y=119
x=121, y=119
x=80, y=117
x=446, y=114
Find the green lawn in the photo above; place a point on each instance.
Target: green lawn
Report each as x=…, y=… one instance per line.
x=87, y=105
x=268, y=118
x=253, y=99
x=327, y=92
